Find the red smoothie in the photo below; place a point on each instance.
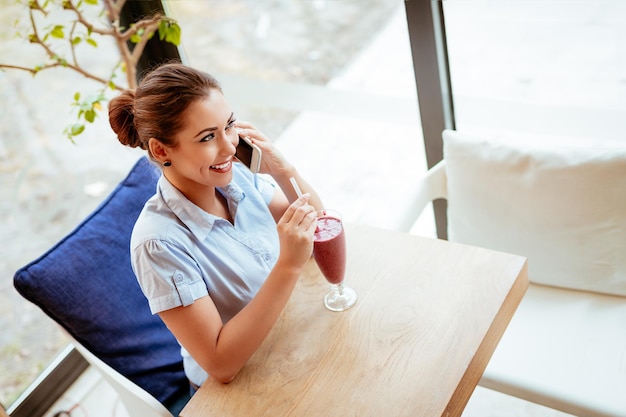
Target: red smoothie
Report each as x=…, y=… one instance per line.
x=329, y=248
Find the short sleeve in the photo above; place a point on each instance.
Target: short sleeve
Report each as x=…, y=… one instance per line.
x=167, y=275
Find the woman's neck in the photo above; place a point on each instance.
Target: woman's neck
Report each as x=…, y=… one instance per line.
x=209, y=199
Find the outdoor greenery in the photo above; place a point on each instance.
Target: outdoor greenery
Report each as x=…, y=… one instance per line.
x=58, y=27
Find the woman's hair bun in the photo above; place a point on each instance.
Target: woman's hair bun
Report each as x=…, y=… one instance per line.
x=122, y=119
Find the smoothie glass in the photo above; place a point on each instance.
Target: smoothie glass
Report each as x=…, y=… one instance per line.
x=329, y=251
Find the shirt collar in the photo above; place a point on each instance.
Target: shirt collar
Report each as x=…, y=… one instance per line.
x=198, y=221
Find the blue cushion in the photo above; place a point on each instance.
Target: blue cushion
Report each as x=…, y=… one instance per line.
x=86, y=284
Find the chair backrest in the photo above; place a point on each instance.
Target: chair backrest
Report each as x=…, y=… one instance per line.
x=135, y=399
x=86, y=284
x=559, y=202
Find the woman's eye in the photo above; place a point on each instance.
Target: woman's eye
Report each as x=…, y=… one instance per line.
x=230, y=124
x=207, y=138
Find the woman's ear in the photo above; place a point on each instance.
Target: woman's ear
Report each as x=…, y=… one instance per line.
x=158, y=150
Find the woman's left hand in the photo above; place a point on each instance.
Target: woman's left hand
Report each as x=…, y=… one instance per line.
x=272, y=161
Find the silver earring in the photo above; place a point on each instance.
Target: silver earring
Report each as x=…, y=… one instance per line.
x=167, y=164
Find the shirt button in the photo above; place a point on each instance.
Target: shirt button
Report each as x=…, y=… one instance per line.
x=268, y=256
x=178, y=278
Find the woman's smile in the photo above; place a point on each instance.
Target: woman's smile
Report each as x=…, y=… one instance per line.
x=224, y=167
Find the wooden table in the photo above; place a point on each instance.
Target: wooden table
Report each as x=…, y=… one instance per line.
x=429, y=316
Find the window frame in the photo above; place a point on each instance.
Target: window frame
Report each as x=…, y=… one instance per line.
x=50, y=385
x=427, y=36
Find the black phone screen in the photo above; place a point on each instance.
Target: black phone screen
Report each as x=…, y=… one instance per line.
x=244, y=152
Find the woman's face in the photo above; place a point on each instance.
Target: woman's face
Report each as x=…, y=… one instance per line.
x=205, y=147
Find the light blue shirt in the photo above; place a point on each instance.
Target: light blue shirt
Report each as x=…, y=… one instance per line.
x=180, y=253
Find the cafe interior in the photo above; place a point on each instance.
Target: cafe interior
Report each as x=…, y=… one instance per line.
x=477, y=152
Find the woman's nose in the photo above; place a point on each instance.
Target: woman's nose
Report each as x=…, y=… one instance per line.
x=228, y=144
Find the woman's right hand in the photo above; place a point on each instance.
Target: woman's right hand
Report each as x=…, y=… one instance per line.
x=295, y=232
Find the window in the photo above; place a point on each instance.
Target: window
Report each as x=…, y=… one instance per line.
x=548, y=67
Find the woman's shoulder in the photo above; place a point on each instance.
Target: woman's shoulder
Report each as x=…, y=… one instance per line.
x=157, y=223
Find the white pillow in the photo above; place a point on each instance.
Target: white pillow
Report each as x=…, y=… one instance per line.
x=559, y=203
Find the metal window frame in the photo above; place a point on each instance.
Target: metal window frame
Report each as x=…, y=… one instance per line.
x=427, y=36
x=50, y=385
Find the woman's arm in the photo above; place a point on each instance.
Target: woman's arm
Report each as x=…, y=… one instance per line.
x=222, y=350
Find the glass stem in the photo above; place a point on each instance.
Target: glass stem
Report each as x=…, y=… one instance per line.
x=340, y=288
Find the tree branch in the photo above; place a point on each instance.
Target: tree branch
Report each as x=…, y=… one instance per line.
x=130, y=42
x=72, y=49
x=28, y=69
x=68, y=4
x=59, y=61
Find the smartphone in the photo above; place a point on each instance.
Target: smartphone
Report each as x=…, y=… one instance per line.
x=249, y=154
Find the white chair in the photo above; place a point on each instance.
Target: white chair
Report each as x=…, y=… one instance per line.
x=563, y=206
x=135, y=399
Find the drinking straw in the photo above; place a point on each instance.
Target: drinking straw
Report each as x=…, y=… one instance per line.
x=299, y=192
x=295, y=186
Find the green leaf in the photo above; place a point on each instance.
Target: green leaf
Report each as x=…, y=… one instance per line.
x=92, y=2
x=169, y=32
x=174, y=34
x=135, y=38
x=76, y=40
x=111, y=85
x=62, y=61
x=163, y=29
x=57, y=32
x=75, y=129
x=90, y=115
x=76, y=96
x=92, y=42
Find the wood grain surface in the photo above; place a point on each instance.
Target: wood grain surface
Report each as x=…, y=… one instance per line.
x=429, y=316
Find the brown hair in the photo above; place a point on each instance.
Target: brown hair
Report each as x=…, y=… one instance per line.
x=155, y=108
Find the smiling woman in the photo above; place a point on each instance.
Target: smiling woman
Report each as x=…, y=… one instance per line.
x=218, y=250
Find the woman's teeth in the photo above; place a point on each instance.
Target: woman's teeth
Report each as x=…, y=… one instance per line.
x=221, y=166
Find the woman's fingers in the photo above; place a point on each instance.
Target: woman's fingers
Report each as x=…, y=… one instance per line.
x=247, y=129
x=295, y=230
x=300, y=217
x=243, y=124
x=310, y=221
x=300, y=211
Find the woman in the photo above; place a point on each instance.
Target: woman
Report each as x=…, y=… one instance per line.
x=217, y=251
